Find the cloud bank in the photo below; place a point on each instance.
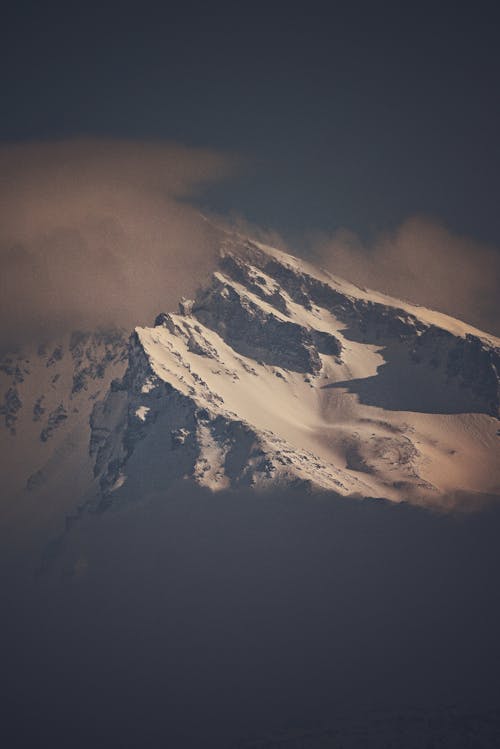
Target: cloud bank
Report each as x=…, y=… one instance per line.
x=423, y=262
x=99, y=233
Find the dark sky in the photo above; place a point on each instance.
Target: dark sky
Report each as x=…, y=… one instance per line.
x=355, y=116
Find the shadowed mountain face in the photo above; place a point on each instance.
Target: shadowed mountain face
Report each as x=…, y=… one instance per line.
x=437, y=374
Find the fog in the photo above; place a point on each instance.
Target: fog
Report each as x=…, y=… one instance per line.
x=424, y=262
x=100, y=233
x=105, y=233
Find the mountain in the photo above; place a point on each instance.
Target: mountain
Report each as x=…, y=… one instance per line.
x=47, y=392
x=275, y=374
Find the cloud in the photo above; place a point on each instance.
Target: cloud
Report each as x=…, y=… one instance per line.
x=424, y=262
x=100, y=233
x=103, y=232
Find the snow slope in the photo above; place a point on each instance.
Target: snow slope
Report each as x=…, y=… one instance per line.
x=278, y=373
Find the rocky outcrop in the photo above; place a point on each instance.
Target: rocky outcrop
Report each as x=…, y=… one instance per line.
x=92, y=353
x=263, y=318
x=260, y=333
x=10, y=407
x=57, y=417
x=469, y=362
x=178, y=428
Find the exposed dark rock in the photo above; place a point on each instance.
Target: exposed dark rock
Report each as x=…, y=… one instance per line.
x=469, y=360
x=241, y=272
x=10, y=407
x=57, y=417
x=56, y=356
x=11, y=367
x=38, y=409
x=326, y=343
x=92, y=354
x=165, y=320
x=254, y=333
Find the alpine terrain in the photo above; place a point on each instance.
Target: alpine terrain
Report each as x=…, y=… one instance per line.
x=275, y=374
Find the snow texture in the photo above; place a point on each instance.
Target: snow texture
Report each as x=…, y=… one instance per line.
x=279, y=374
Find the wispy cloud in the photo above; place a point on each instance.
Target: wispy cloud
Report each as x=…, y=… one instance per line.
x=424, y=262
x=96, y=232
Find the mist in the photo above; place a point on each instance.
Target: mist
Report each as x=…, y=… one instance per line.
x=106, y=233
x=100, y=233
x=421, y=261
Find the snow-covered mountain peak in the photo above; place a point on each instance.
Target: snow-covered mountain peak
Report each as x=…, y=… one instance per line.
x=277, y=373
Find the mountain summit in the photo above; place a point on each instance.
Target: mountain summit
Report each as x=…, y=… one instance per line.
x=276, y=374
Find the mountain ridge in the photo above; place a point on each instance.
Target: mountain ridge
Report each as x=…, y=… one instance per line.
x=264, y=379
x=277, y=374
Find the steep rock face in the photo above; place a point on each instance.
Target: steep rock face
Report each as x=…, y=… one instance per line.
x=277, y=373
x=10, y=407
x=183, y=426
x=79, y=363
x=478, y=367
x=470, y=361
x=255, y=331
x=123, y=419
x=48, y=392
